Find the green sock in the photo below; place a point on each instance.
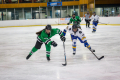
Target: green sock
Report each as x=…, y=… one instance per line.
x=33, y=50
x=48, y=55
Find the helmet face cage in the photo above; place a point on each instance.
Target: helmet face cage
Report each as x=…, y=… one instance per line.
x=73, y=14
x=48, y=27
x=74, y=27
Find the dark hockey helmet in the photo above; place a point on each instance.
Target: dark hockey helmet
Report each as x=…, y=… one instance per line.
x=87, y=12
x=73, y=14
x=48, y=27
x=94, y=12
x=74, y=26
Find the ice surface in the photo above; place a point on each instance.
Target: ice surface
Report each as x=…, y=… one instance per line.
x=17, y=42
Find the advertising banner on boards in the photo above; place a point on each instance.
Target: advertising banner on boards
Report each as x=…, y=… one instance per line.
x=64, y=20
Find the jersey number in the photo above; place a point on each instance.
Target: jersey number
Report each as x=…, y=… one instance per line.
x=57, y=31
x=80, y=32
x=70, y=29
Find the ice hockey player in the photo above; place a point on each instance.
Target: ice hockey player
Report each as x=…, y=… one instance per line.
x=76, y=20
x=87, y=19
x=44, y=37
x=77, y=33
x=95, y=19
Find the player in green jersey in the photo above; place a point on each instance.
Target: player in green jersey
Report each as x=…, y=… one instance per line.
x=76, y=20
x=44, y=37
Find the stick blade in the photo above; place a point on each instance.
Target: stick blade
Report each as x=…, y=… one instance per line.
x=64, y=64
x=101, y=57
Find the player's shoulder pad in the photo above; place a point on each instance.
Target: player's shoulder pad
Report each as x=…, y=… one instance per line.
x=77, y=16
x=54, y=29
x=96, y=15
x=43, y=31
x=71, y=18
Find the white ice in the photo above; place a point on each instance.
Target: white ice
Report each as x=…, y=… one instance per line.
x=17, y=42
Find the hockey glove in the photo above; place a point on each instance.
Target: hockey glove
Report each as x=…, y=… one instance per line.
x=89, y=19
x=62, y=38
x=97, y=21
x=78, y=22
x=85, y=43
x=54, y=43
x=68, y=23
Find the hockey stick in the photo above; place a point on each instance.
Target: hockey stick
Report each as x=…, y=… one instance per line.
x=96, y=56
x=103, y=23
x=64, y=55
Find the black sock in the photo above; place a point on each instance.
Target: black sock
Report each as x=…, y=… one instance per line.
x=86, y=24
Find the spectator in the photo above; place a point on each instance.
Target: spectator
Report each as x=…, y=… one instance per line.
x=45, y=15
x=106, y=14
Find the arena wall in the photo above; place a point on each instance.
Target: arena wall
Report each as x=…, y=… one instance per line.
x=56, y=21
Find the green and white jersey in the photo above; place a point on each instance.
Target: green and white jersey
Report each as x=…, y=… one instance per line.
x=44, y=37
x=76, y=20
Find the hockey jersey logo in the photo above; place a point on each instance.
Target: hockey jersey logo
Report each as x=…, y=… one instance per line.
x=69, y=29
x=80, y=32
